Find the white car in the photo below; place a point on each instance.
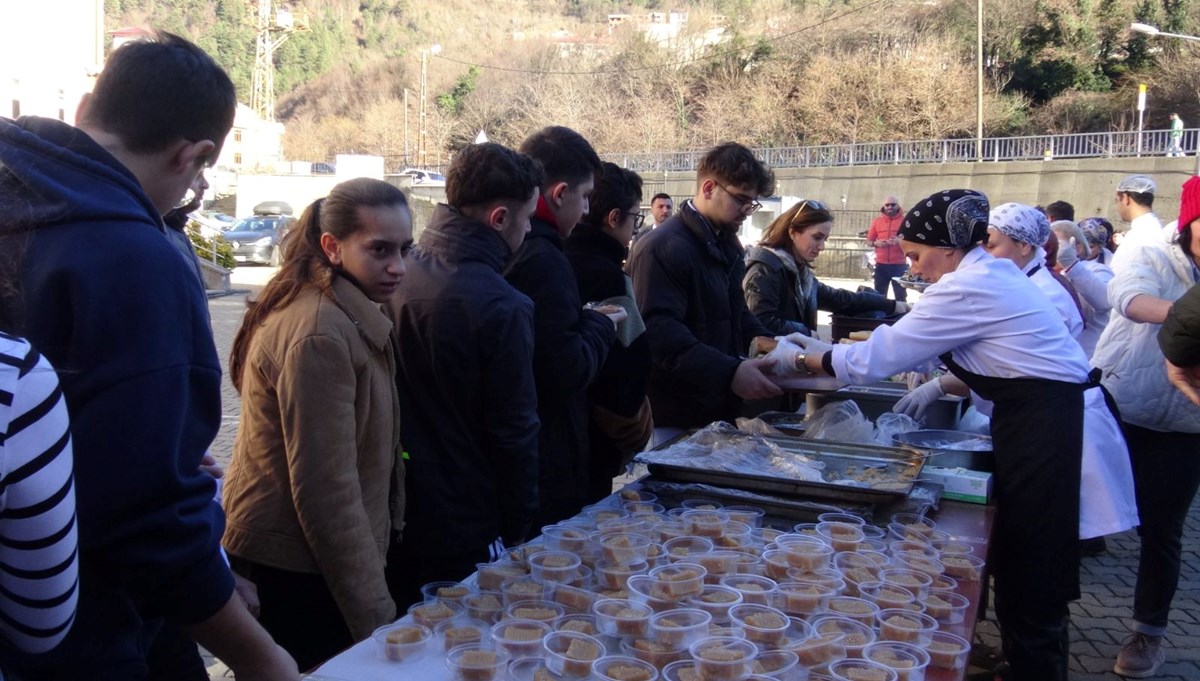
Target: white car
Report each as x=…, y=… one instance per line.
x=424, y=178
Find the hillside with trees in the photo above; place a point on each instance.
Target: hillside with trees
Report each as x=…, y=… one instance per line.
x=767, y=72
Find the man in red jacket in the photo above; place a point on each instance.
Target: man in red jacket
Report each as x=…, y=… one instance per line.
x=889, y=259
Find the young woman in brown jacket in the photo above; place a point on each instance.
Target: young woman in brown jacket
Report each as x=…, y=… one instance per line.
x=315, y=487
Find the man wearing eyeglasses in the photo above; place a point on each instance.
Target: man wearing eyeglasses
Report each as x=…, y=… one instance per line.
x=884, y=237
x=687, y=278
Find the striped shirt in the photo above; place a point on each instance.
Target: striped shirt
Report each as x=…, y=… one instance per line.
x=39, y=563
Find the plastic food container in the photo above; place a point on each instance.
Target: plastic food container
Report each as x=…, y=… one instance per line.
x=918, y=562
x=810, y=555
x=624, y=548
x=401, y=642
x=678, y=580
x=680, y=628
x=615, y=575
x=680, y=670
x=858, y=609
x=753, y=588
x=455, y=633
x=964, y=568
x=841, y=536
x=908, y=661
x=476, y=663
x=916, y=523
x=489, y=576
x=764, y=626
x=570, y=654
x=520, y=638
x=948, y=651
x=829, y=577
x=565, y=537
x=781, y=665
x=906, y=626
x=616, y=617
x=723, y=658
x=914, y=581
x=577, y=623
x=803, y=598
x=858, y=670
x=717, y=601
x=648, y=591
x=447, y=592
x=434, y=613
x=717, y=564
x=623, y=525
x=541, y=611
x=750, y=515
x=943, y=583
x=856, y=635
x=526, y=668
x=525, y=588
x=820, y=650
x=682, y=548
x=554, y=566
x=946, y=607
x=573, y=599
x=484, y=605
x=657, y=653
x=887, y=596
x=636, y=508
x=621, y=668
x=705, y=523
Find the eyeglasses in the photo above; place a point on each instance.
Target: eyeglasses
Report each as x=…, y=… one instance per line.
x=638, y=219
x=814, y=204
x=748, y=204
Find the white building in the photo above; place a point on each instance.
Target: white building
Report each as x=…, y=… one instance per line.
x=50, y=52
x=253, y=144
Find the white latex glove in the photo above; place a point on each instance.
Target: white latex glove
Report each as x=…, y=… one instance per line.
x=783, y=358
x=1067, y=255
x=901, y=307
x=808, y=343
x=915, y=379
x=916, y=402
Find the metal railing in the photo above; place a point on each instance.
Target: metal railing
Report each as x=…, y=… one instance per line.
x=994, y=149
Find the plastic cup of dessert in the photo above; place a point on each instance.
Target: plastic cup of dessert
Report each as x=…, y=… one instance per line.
x=917, y=546
x=622, y=617
x=490, y=576
x=775, y=564
x=717, y=601
x=623, y=525
x=679, y=580
x=850, y=561
x=402, y=642
x=484, y=605
x=580, y=623
x=943, y=583
x=461, y=632
x=919, y=562
x=648, y=591
x=701, y=504
x=778, y=664
x=855, y=670
x=571, y=654
x=624, y=548
x=527, y=669
x=680, y=628
x=841, y=517
x=964, y=568
x=723, y=657
x=477, y=663
x=873, y=532
x=765, y=535
x=648, y=650
x=820, y=649
x=887, y=596
x=908, y=661
x=914, y=581
x=856, y=635
x=804, y=598
x=539, y=610
x=670, y=529
x=801, y=530
x=953, y=547
x=810, y=555
x=841, y=536
x=615, y=575
x=827, y=576
x=574, y=599
x=565, y=537
x=554, y=566
x=520, y=638
x=704, y=522
x=751, y=515
x=448, y=592
x=948, y=651
x=623, y=668
x=755, y=589
x=433, y=613
x=717, y=564
x=762, y=625
x=906, y=626
x=946, y=607
x=680, y=670
x=525, y=588
x=855, y=608
x=598, y=513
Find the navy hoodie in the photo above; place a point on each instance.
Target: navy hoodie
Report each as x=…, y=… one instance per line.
x=111, y=302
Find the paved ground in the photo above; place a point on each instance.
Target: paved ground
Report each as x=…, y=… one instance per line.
x=1098, y=618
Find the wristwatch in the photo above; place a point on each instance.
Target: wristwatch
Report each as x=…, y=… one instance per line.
x=800, y=365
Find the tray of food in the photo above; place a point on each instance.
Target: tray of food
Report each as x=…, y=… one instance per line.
x=790, y=466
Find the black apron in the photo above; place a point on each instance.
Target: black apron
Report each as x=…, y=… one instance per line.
x=1037, y=436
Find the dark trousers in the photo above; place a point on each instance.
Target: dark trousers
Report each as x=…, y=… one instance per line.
x=883, y=277
x=1166, y=474
x=298, y=611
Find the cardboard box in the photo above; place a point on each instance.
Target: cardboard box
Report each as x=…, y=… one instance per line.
x=961, y=484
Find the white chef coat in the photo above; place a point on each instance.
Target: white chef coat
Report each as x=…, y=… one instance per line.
x=1090, y=278
x=997, y=323
x=1059, y=296
x=1144, y=229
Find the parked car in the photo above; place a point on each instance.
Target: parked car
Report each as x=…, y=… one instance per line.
x=424, y=178
x=259, y=238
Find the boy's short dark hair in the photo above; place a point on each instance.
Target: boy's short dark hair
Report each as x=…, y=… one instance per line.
x=482, y=174
x=155, y=92
x=564, y=154
x=617, y=188
x=735, y=165
x=1141, y=198
x=661, y=195
x=1060, y=210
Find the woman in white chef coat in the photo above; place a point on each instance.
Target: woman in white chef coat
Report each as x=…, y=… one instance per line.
x=1001, y=337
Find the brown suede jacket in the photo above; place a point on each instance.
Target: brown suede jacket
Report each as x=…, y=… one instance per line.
x=316, y=481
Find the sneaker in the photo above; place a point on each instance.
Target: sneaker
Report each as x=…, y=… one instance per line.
x=1141, y=657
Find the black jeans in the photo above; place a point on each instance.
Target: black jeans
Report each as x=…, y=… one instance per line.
x=1166, y=474
x=883, y=277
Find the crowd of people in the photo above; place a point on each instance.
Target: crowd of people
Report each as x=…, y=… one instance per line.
x=409, y=409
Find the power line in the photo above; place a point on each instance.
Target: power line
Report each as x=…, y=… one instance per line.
x=611, y=72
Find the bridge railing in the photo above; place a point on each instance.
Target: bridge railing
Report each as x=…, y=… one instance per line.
x=1113, y=144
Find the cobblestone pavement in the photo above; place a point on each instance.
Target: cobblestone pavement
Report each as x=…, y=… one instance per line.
x=1098, y=619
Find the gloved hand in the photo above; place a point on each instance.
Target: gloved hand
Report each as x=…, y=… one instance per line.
x=901, y=307
x=783, y=358
x=915, y=379
x=808, y=343
x=1067, y=255
x=916, y=402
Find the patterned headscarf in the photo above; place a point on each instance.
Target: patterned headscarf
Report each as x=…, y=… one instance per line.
x=1021, y=223
x=955, y=218
x=1097, y=230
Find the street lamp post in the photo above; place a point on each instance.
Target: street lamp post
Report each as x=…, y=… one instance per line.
x=421, y=129
x=1153, y=32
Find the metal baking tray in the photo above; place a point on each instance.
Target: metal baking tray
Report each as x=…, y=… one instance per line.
x=895, y=469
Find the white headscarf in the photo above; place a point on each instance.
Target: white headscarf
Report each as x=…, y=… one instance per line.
x=1020, y=223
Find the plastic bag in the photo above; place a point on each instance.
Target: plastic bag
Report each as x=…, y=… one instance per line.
x=889, y=424
x=840, y=421
x=974, y=422
x=756, y=426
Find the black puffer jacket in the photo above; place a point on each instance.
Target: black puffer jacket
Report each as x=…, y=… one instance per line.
x=621, y=385
x=1180, y=333
x=688, y=283
x=570, y=345
x=465, y=376
x=785, y=295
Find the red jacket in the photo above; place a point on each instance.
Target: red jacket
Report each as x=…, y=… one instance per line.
x=883, y=228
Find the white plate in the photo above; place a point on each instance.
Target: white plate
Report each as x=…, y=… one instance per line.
x=914, y=285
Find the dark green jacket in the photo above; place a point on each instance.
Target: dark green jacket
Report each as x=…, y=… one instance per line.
x=1180, y=333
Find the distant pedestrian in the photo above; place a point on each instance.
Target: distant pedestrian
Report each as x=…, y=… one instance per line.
x=884, y=237
x=661, y=208
x=1176, y=136
x=1060, y=210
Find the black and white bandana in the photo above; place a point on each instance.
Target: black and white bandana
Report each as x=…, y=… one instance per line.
x=955, y=218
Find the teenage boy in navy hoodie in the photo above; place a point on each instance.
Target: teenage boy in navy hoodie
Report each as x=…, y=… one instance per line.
x=108, y=298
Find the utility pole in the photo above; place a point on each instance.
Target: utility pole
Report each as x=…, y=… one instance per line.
x=421, y=115
x=979, y=80
x=407, y=162
x=272, y=30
